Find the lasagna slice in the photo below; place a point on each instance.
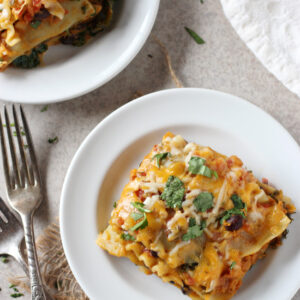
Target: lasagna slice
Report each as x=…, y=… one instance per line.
x=196, y=218
x=28, y=27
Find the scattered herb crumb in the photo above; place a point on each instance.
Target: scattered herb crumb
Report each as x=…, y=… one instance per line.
x=115, y=204
x=195, y=36
x=232, y=265
x=53, y=140
x=201, y=1
x=4, y=259
x=45, y=108
x=12, y=286
x=17, y=295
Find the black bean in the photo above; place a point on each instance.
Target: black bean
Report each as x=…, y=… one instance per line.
x=154, y=254
x=235, y=223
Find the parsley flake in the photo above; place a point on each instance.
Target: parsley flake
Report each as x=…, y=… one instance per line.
x=115, y=204
x=141, y=207
x=195, y=36
x=174, y=192
x=17, y=295
x=228, y=213
x=53, y=140
x=45, y=108
x=35, y=24
x=203, y=201
x=237, y=201
x=195, y=164
x=161, y=156
x=141, y=225
x=127, y=237
x=194, y=230
x=136, y=216
x=232, y=265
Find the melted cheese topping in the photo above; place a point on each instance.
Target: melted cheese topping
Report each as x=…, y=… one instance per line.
x=212, y=265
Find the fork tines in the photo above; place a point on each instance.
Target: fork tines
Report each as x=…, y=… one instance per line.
x=22, y=175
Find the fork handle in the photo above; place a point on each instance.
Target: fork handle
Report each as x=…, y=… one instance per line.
x=37, y=289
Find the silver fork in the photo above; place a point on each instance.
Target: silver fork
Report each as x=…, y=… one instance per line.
x=11, y=235
x=24, y=191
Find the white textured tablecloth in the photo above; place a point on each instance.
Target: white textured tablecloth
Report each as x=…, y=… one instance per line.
x=271, y=29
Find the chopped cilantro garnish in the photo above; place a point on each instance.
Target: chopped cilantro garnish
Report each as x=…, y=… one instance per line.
x=195, y=36
x=174, y=192
x=127, y=237
x=35, y=24
x=195, y=164
x=228, y=213
x=12, y=286
x=53, y=141
x=203, y=201
x=192, y=222
x=115, y=204
x=141, y=225
x=17, y=295
x=140, y=206
x=136, y=215
x=45, y=108
x=232, y=265
x=161, y=156
x=237, y=201
x=215, y=174
x=4, y=259
x=194, y=230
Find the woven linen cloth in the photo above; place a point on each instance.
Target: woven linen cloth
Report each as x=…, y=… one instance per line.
x=271, y=29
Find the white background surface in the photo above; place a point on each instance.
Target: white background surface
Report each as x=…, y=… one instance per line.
x=223, y=63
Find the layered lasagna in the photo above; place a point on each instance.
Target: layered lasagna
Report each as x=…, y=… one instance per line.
x=28, y=27
x=196, y=218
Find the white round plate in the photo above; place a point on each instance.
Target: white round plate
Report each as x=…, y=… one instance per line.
x=70, y=72
x=101, y=168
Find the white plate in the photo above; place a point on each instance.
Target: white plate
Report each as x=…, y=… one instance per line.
x=69, y=72
x=101, y=167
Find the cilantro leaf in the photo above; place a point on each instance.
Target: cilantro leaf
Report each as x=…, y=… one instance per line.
x=35, y=24
x=215, y=174
x=195, y=164
x=192, y=222
x=136, y=216
x=228, y=213
x=140, y=207
x=237, y=201
x=174, y=192
x=141, y=225
x=161, y=156
x=203, y=201
x=194, y=230
x=127, y=237
x=195, y=36
x=232, y=265
x=192, y=233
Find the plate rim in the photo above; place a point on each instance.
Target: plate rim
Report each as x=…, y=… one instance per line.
x=131, y=53
x=121, y=109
